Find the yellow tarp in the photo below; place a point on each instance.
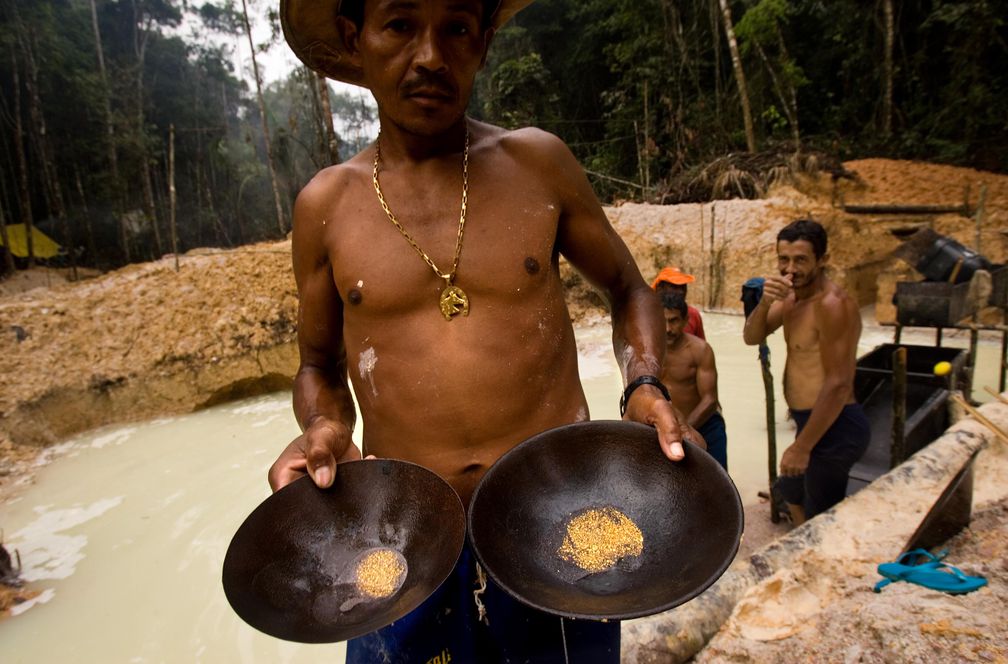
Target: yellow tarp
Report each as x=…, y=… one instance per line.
x=42, y=245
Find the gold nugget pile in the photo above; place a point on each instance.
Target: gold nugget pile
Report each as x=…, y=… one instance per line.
x=378, y=573
x=598, y=538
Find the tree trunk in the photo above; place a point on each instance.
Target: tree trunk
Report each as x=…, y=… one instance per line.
x=110, y=143
x=792, y=92
x=739, y=75
x=887, y=67
x=24, y=191
x=778, y=87
x=92, y=250
x=281, y=222
x=44, y=147
x=332, y=141
x=140, y=37
x=171, y=194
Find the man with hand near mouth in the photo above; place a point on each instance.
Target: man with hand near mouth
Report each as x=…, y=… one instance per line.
x=822, y=326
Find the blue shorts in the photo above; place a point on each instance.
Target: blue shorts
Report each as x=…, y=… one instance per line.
x=824, y=483
x=713, y=431
x=447, y=628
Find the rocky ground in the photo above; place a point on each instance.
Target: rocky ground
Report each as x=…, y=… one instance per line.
x=151, y=339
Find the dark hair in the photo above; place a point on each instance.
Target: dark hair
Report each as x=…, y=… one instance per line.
x=808, y=230
x=354, y=10
x=674, y=301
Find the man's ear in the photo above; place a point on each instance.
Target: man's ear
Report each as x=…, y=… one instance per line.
x=488, y=36
x=349, y=35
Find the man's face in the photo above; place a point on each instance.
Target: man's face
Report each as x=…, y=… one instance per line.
x=674, y=324
x=797, y=259
x=420, y=58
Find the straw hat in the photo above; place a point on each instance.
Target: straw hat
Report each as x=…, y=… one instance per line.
x=310, y=29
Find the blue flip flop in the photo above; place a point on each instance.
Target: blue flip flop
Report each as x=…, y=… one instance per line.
x=932, y=573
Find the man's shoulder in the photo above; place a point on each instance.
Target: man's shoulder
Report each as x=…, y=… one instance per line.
x=836, y=297
x=696, y=344
x=329, y=183
x=522, y=143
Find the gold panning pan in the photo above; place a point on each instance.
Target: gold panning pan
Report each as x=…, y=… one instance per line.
x=324, y=565
x=554, y=522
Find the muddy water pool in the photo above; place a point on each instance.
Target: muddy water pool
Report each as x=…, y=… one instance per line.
x=125, y=529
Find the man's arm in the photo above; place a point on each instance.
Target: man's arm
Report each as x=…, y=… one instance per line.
x=838, y=336
x=706, y=384
x=322, y=403
x=769, y=313
x=586, y=238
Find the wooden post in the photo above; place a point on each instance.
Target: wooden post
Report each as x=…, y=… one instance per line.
x=898, y=333
x=771, y=424
x=710, y=271
x=974, y=336
x=980, y=213
x=897, y=450
x=1004, y=360
x=938, y=336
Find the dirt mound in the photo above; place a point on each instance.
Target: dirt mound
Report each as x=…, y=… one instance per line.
x=145, y=340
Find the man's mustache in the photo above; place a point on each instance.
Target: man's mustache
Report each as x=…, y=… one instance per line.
x=428, y=82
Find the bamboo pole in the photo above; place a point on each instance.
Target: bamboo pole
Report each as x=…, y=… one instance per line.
x=897, y=454
x=979, y=417
x=996, y=395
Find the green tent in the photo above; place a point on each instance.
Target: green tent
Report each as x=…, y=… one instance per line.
x=42, y=244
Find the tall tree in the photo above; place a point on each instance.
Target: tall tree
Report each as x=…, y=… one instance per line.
x=888, y=31
x=110, y=133
x=281, y=222
x=740, y=79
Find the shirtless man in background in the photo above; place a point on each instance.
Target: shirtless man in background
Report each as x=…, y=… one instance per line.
x=427, y=268
x=822, y=326
x=690, y=374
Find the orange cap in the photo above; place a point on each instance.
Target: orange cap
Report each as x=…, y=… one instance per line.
x=673, y=276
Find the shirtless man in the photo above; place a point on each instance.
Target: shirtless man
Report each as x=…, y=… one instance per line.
x=674, y=280
x=690, y=374
x=427, y=270
x=822, y=326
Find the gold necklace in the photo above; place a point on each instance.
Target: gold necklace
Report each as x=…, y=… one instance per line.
x=453, y=299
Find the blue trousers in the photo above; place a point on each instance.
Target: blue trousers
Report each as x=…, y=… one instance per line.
x=824, y=483
x=447, y=628
x=713, y=431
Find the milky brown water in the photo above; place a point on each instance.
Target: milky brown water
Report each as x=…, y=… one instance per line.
x=125, y=530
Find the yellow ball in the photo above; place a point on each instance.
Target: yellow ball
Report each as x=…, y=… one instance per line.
x=942, y=368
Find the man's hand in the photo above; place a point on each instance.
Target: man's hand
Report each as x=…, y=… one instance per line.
x=648, y=406
x=315, y=452
x=776, y=288
x=794, y=461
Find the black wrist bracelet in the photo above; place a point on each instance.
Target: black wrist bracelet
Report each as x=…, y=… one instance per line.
x=637, y=382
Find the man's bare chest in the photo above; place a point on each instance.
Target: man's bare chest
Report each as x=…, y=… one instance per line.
x=505, y=248
x=801, y=331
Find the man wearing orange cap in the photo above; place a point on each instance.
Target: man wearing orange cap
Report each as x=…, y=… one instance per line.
x=671, y=279
x=448, y=316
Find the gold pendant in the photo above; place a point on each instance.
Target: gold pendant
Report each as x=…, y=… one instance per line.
x=454, y=301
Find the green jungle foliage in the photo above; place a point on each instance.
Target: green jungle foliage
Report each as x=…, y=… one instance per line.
x=643, y=91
